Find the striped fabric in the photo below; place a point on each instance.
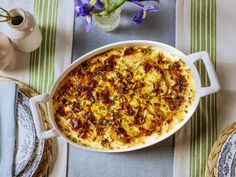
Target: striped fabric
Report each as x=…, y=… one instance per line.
x=196, y=31
x=204, y=121
x=42, y=60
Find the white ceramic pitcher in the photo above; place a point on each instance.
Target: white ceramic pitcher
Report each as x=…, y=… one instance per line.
x=23, y=31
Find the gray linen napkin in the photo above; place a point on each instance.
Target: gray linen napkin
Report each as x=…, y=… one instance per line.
x=7, y=127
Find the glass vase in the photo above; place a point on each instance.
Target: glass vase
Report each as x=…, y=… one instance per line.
x=109, y=22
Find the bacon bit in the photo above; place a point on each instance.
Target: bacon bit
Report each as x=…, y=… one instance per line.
x=123, y=102
x=115, y=115
x=106, y=101
x=181, y=80
x=123, y=89
x=92, y=83
x=161, y=61
x=103, y=121
x=110, y=63
x=177, y=88
x=75, y=106
x=79, y=88
x=75, y=123
x=145, y=131
x=176, y=65
x=99, y=130
x=68, y=114
x=129, y=110
x=90, y=116
x=64, y=101
x=153, y=126
x=146, y=67
x=120, y=130
x=157, y=91
x=89, y=95
x=83, y=130
x=174, y=103
x=105, y=142
x=150, y=130
x=105, y=96
x=142, y=131
x=158, y=70
x=119, y=77
x=76, y=72
x=146, y=50
x=98, y=70
x=139, y=120
x=116, y=118
x=169, y=120
x=137, y=85
x=61, y=111
x=85, y=65
x=67, y=89
x=104, y=93
x=129, y=51
x=160, y=58
x=174, y=70
x=57, y=119
x=125, y=138
x=181, y=83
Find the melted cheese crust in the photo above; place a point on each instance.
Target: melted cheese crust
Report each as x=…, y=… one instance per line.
x=123, y=97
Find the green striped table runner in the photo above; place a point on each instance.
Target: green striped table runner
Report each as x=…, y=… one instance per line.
x=203, y=123
x=42, y=60
x=200, y=26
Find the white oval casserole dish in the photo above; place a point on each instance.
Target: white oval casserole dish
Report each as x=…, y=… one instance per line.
x=188, y=59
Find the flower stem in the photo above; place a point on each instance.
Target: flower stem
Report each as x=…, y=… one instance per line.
x=116, y=5
x=5, y=17
x=110, y=7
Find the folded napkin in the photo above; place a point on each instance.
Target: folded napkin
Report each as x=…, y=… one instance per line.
x=7, y=127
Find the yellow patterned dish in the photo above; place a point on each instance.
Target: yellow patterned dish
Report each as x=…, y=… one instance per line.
x=123, y=97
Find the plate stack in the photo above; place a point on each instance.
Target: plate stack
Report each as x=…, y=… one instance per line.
x=222, y=159
x=33, y=157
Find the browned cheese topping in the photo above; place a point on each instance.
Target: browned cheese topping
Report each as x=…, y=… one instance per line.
x=124, y=96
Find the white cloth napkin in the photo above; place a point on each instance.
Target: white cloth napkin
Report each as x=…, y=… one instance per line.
x=7, y=127
x=41, y=68
x=206, y=25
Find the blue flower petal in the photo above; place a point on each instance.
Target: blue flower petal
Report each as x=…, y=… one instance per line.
x=83, y=10
x=137, y=2
x=150, y=8
x=139, y=16
x=78, y=3
x=88, y=22
x=98, y=4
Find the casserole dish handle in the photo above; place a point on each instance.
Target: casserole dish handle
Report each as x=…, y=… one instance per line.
x=214, y=82
x=41, y=133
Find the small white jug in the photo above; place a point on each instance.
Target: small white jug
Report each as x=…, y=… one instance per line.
x=23, y=30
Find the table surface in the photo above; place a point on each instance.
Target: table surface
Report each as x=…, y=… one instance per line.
x=156, y=160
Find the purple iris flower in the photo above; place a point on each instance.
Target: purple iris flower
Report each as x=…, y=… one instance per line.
x=140, y=16
x=85, y=9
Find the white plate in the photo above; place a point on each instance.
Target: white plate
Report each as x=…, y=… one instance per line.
x=29, y=149
x=226, y=166
x=25, y=134
x=35, y=160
